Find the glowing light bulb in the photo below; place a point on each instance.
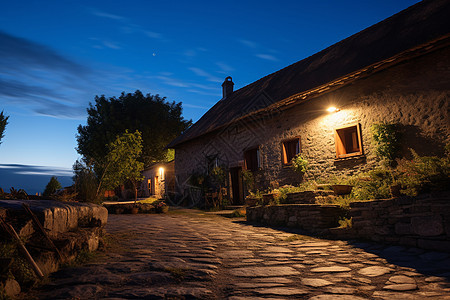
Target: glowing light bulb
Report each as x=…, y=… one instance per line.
x=332, y=109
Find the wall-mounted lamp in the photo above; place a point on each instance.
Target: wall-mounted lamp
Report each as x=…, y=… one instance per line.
x=332, y=109
x=161, y=172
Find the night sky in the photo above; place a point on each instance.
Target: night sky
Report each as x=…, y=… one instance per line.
x=55, y=56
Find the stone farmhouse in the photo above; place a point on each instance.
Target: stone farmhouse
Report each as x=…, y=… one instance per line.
x=159, y=180
x=396, y=71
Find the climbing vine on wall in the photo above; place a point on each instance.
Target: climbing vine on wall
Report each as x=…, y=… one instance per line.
x=387, y=141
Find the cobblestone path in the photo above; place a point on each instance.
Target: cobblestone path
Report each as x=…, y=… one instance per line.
x=191, y=255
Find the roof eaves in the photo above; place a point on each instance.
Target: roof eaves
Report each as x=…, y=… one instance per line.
x=340, y=82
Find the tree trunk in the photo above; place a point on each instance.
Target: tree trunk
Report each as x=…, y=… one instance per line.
x=135, y=192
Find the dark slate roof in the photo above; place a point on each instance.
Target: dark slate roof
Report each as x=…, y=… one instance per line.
x=414, y=26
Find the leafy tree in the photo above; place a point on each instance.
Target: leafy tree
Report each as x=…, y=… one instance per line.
x=85, y=181
x=52, y=186
x=122, y=162
x=3, y=123
x=159, y=122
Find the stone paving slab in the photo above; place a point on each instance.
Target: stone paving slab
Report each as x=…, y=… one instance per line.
x=192, y=255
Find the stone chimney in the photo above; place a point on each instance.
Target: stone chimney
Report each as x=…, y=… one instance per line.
x=227, y=87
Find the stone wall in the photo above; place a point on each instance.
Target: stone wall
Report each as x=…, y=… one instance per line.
x=308, y=197
x=311, y=217
x=72, y=226
x=422, y=222
x=56, y=216
x=414, y=94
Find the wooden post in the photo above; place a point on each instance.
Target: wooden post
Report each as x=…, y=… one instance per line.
x=41, y=229
x=10, y=230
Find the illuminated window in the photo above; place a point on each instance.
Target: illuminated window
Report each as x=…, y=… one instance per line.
x=290, y=149
x=348, y=141
x=251, y=158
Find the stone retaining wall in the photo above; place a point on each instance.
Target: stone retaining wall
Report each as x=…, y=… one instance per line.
x=55, y=216
x=422, y=222
x=307, y=197
x=72, y=226
x=310, y=217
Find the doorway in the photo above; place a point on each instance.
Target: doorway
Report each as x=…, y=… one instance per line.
x=236, y=185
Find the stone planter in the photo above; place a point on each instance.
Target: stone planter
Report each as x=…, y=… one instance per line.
x=268, y=199
x=342, y=189
x=250, y=201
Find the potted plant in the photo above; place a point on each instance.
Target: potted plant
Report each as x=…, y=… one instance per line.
x=253, y=199
x=342, y=189
x=134, y=209
x=162, y=207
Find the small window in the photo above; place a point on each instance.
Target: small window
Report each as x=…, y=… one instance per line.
x=251, y=159
x=348, y=141
x=213, y=162
x=290, y=149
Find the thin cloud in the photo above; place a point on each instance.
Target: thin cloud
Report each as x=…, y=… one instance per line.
x=16, y=89
x=128, y=27
x=224, y=67
x=217, y=95
x=172, y=82
x=248, y=43
x=17, y=52
x=35, y=75
x=103, y=14
x=267, y=57
x=101, y=44
x=37, y=170
x=190, y=53
x=194, y=106
x=202, y=73
x=204, y=87
x=151, y=34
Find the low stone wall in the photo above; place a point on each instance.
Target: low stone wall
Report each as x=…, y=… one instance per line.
x=72, y=226
x=307, y=197
x=311, y=217
x=422, y=221
x=55, y=216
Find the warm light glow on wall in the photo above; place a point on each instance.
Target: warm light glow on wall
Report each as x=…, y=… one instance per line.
x=337, y=118
x=332, y=109
x=161, y=172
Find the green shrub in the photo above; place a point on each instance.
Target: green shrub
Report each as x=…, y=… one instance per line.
x=345, y=223
x=387, y=141
x=248, y=179
x=281, y=193
x=374, y=184
x=299, y=164
x=85, y=182
x=20, y=269
x=423, y=174
x=52, y=186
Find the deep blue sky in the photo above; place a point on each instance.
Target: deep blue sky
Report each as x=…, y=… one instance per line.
x=55, y=56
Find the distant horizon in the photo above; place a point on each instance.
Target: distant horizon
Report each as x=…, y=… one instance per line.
x=32, y=178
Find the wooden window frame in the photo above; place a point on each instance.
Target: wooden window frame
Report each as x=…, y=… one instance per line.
x=284, y=156
x=340, y=136
x=258, y=158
